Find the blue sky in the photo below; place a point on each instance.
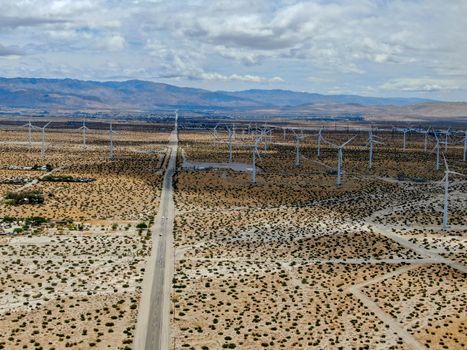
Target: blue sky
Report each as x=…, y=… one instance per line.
x=377, y=48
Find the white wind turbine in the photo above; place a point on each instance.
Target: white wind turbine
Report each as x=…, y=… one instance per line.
x=446, y=133
x=84, y=130
x=371, y=142
x=266, y=136
x=426, y=132
x=111, y=142
x=404, y=131
x=30, y=127
x=320, y=138
x=298, y=139
x=465, y=146
x=43, y=139
x=255, y=153
x=437, y=149
x=340, y=151
x=446, y=193
x=231, y=132
x=215, y=130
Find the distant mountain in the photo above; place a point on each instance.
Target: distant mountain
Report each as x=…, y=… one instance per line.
x=293, y=98
x=144, y=95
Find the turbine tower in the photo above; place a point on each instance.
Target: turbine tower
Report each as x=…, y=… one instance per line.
x=426, y=132
x=253, y=172
x=265, y=135
x=111, y=142
x=371, y=142
x=215, y=129
x=436, y=148
x=320, y=137
x=465, y=145
x=30, y=127
x=446, y=134
x=446, y=193
x=255, y=153
x=231, y=136
x=43, y=140
x=298, y=139
x=404, y=131
x=340, y=153
x=84, y=129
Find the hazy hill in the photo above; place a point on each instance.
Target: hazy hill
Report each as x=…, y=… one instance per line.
x=144, y=95
x=293, y=98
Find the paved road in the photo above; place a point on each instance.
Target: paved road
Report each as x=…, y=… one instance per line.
x=152, y=329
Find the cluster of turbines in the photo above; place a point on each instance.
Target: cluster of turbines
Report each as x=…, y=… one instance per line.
x=263, y=135
x=83, y=129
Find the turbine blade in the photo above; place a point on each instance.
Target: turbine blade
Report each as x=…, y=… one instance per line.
x=456, y=173
x=345, y=143
x=329, y=143
x=445, y=163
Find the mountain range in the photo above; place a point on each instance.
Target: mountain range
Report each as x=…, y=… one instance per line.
x=137, y=95
x=71, y=93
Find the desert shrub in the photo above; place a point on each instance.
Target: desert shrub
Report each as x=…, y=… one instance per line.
x=26, y=197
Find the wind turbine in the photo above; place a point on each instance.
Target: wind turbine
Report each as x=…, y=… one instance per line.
x=298, y=138
x=320, y=137
x=255, y=153
x=215, y=130
x=111, y=142
x=231, y=132
x=84, y=129
x=437, y=146
x=446, y=134
x=426, y=132
x=265, y=134
x=43, y=139
x=340, y=151
x=30, y=127
x=465, y=145
x=446, y=193
x=371, y=142
x=405, y=131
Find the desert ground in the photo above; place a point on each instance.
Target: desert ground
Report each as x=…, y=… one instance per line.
x=295, y=261
x=73, y=265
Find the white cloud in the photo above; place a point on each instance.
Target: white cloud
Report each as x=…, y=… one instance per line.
x=420, y=84
x=239, y=77
x=114, y=43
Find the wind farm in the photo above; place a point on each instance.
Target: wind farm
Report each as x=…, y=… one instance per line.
x=314, y=213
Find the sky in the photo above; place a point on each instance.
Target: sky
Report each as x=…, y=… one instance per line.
x=415, y=48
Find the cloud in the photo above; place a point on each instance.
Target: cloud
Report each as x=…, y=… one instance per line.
x=239, y=77
x=4, y=51
x=114, y=43
x=15, y=22
x=420, y=85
